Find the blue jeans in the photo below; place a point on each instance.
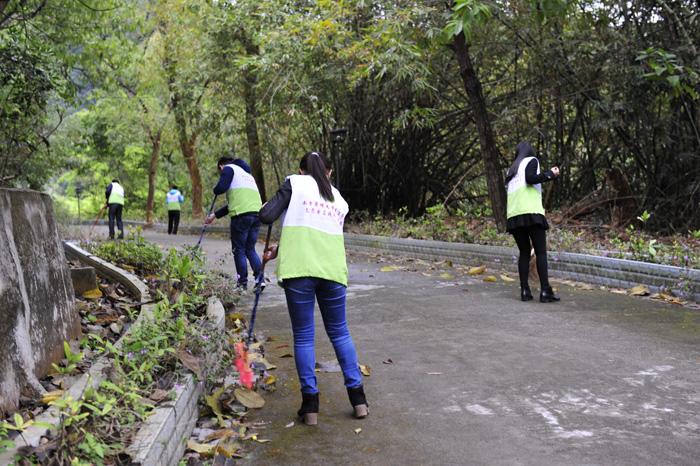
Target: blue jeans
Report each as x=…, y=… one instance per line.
x=301, y=296
x=244, y=235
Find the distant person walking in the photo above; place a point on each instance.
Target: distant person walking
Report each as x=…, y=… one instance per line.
x=526, y=220
x=243, y=205
x=115, y=201
x=173, y=200
x=312, y=267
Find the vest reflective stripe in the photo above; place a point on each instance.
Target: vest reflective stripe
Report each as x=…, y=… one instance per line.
x=173, y=200
x=522, y=197
x=117, y=194
x=312, y=242
x=243, y=195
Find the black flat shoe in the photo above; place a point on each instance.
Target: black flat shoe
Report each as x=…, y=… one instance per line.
x=525, y=293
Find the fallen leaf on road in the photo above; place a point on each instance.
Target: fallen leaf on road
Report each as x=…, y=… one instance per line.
x=433, y=373
x=358, y=430
x=364, y=369
x=506, y=278
x=249, y=398
x=490, y=278
x=291, y=424
x=477, y=270
x=446, y=275
x=587, y=287
x=639, y=291
x=388, y=361
x=386, y=269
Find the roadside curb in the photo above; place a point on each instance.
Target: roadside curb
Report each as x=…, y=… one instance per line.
x=611, y=272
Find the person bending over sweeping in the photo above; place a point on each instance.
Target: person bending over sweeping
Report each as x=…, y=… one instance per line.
x=311, y=266
x=243, y=205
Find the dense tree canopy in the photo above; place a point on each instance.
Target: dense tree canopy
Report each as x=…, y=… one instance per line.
x=434, y=96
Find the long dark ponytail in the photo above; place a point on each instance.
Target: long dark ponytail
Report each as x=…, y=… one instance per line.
x=316, y=164
x=522, y=150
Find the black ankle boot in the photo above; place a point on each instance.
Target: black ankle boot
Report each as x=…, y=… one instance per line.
x=309, y=409
x=525, y=293
x=547, y=295
x=358, y=401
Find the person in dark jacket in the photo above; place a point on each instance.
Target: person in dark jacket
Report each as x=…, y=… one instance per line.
x=311, y=267
x=115, y=201
x=526, y=220
x=244, y=202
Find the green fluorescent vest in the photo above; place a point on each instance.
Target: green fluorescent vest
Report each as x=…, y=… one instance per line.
x=243, y=195
x=117, y=194
x=522, y=197
x=312, y=242
x=173, y=200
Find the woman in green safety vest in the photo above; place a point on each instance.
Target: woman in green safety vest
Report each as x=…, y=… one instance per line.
x=311, y=266
x=174, y=200
x=526, y=220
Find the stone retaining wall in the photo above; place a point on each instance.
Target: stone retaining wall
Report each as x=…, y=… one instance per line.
x=37, y=305
x=580, y=267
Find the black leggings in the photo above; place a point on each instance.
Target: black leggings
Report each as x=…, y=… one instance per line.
x=522, y=237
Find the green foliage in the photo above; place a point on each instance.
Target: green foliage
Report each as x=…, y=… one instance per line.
x=73, y=360
x=134, y=251
x=5, y=444
x=97, y=426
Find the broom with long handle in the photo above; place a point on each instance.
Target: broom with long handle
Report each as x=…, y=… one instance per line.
x=242, y=362
x=98, y=217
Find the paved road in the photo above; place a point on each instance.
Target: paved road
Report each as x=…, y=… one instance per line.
x=479, y=378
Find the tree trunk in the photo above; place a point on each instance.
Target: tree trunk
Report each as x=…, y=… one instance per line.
x=155, y=151
x=489, y=151
x=251, y=130
x=189, y=152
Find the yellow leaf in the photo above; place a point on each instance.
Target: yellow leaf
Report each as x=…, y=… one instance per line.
x=587, y=287
x=269, y=380
x=446, y=275
x=92, y=294
x=202, y=449
x=52, y=396
x=364, y=369
x=490, y=278
x=477, y=270
x=263, y=440
x=358, y=430
x=214, y=404
x=249, y=398
x=640, y=290
x=506, y=278
x=386, y=269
